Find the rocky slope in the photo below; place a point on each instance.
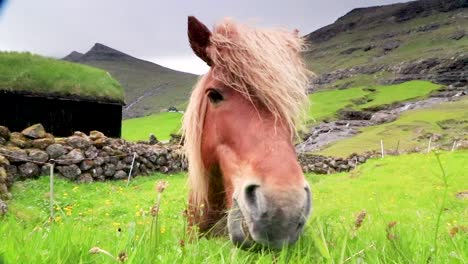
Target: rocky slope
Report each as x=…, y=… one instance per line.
x=424, y=39
x=149, y=87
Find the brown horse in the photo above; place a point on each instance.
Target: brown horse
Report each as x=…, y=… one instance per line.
x=238, y=128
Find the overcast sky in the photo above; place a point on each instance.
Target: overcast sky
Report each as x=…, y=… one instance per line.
x=151, y=30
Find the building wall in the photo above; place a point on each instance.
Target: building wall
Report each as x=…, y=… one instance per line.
x=60, y=117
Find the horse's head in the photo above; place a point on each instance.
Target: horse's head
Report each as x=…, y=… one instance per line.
x=239, y=127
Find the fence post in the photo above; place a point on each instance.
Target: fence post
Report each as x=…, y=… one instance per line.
x=381, y=148
x=429, y=145
x=454, y=145
x=51, y=188
x=131, y=168
x=397, y=147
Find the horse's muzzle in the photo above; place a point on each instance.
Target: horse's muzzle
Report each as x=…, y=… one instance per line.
x=273, y=219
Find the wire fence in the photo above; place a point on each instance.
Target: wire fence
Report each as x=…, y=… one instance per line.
x=52, y=162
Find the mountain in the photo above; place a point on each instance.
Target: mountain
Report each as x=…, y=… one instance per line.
x=424, y=39
x=149, y=87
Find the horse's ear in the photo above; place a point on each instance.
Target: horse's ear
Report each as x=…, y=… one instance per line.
x=199, y=37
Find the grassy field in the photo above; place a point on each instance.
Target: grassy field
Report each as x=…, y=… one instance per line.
x=33, y=73
x=447, y=119
x=161, y=125
x=324, y=105
x=411, y=216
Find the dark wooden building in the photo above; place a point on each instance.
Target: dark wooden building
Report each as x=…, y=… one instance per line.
x=63, y=96
x=60, y=115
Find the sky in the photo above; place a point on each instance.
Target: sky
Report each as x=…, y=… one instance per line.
x=152, y=30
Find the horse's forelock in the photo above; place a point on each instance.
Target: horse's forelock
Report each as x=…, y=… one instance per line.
x=264, y=64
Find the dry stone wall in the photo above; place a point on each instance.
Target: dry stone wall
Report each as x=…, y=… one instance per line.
x=80, y=157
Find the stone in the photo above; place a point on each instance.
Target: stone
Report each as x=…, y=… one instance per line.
x=73, y=157
x=383, y=117
x=153, y=140
x=97, y=172
x=4, y=132
x=109, y=170
x=78, y=142
x=3, y=176
x=19, y=140
x=34, y=131
x=86, y=165
x=85, y=178
x=120, y=175
x=120, y=165
x=101, y=142
x=457, y=35
x=38, y=155
x=45, y=169
x=463, y=195
x=80, y=134
x=12, y=172
x=161, y=160
x=3, y=208
x=91, y=152
x=4, y=161
x=49, y=135
x=71, y=171
x=462, y=144
x=56, y=150
x=42, y=143
x=94, y=135
x=3, y=141
x=164, y=169
x=29, y=170
x=391, y=45
x=15, y=154
x=99, y=161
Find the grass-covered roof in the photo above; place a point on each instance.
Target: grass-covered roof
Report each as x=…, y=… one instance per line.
x=25, y=72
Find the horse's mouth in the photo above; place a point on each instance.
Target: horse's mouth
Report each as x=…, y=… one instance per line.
x=238, y=228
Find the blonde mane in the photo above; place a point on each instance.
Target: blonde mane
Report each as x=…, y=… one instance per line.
x=266, y=67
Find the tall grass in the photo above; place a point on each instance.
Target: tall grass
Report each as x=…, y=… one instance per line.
x=385, y=211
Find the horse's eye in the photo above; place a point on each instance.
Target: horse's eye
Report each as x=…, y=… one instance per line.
x=215, y=96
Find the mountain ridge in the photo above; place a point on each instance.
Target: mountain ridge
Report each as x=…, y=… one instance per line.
x=149, y=87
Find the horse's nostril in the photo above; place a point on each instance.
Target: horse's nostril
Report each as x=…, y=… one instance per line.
x=250, y=194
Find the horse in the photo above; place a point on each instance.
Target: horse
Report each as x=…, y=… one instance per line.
x=238, y=130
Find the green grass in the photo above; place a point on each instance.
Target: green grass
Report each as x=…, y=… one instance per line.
x=326, y=103
x=33, y=73
x=388, y=190
x=407, y=130
x=161, y=125
x=400, y=92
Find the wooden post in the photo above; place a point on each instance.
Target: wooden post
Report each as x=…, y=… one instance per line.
x=131, y=168
x=51, y=188
x=381, y=148
x=397, y=147
x=454, y=145
x=429, y=145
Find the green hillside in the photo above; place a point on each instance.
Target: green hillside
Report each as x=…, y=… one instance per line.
x=36, y=74
x=412, y=129
x=149, y=88
x=410, y=216
x=365, y=37
x=325, y=104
